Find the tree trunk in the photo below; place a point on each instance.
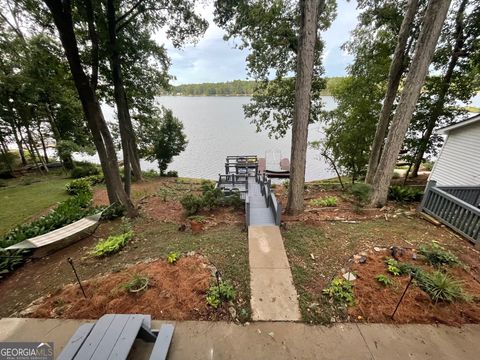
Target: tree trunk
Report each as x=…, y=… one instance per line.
x=62, y=16
x=127, y=133
x=446, y=82
x=42, y=140
x=301, y=114
x=119, y=92
x=432, y=25
x=18, y=141
x=397, y=67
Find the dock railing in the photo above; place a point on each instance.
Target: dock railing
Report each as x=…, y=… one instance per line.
x=456, y=207
x=270, y=198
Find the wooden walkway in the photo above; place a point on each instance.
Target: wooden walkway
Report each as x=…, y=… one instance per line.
x=260, y=213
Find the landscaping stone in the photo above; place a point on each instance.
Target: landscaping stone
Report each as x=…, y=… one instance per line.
x=349, y=276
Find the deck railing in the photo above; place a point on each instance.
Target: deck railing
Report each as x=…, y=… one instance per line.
x=458, y=214
x=469, y=194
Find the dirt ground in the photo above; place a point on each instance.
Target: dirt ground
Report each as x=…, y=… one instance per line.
x=376, y=303
x=175, y=292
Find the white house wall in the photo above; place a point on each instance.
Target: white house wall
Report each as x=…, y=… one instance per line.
x=459, y=160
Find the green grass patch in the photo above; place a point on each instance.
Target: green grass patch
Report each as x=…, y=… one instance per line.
x=21, y=203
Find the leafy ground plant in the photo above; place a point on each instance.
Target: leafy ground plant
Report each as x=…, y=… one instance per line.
x=442, y=287
x=404, y=193
x=340, y=291
x=112, y=244
x=219, y=293
x=173, y=257
x=437, y=255
x=136, y=284
x=329, y=201
x=393, y=267
x=78, y=186
x=385, y=280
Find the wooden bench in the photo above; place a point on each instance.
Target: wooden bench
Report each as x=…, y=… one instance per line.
x=112, y=337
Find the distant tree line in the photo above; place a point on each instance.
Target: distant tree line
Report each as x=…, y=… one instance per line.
x=230, y=88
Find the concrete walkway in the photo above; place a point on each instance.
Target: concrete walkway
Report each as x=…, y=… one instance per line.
x=273, y=295
x=279, y=340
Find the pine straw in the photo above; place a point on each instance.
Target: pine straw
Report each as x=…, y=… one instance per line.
x=175, y=292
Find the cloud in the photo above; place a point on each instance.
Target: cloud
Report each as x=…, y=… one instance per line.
x=214, y=60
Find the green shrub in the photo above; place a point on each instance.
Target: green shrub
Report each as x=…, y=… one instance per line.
x=11, y=259
x=83, y=169
x=340, y=291
x=442, y=287
x=137, y=283
x=361, y=192
x=112, y=244
x=437, y=255
x=328, y=201
x=212, y=198
x=95, y=179
x=404, y=193
x=173, y=257
x=233, y=200
x=385, y=280
x=150, y=174
x=78, y=186
x=113, y=211
x=171, y=173
x=219, y=293
x=286, y=184
x=65, y=213
x=192, y=204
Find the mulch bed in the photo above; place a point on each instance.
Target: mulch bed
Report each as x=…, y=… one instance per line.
x=175, y=292
x=376, y=303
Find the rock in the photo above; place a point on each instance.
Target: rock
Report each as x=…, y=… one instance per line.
x=377, y=248
x=312, y=256
x=271, y=334
x=314, y=305
x=349, y=276
x=259, y=331
x=363, y=260
x=233, y=312
x=414, y=256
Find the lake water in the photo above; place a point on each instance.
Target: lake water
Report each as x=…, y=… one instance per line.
x=216, y=127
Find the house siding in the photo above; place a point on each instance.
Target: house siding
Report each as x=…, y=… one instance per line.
x=459, y=161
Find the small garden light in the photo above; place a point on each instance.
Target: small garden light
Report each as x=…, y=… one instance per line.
x=70, y=261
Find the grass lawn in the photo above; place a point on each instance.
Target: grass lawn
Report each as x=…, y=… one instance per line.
x=28, y=197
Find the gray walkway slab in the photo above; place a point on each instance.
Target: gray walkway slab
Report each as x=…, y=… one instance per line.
x=273, y=295
x=279, y=340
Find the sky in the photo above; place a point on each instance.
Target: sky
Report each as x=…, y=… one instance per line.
x=213, y=59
